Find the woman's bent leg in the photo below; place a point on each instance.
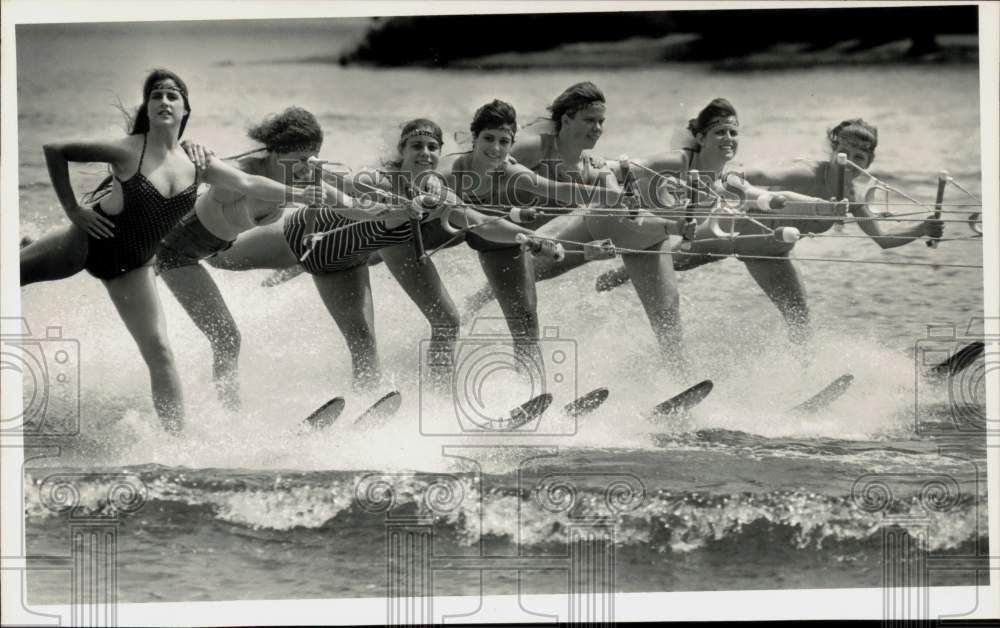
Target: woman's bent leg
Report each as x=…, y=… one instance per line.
x=58, y=254
x=199, y=295
x=682, y=260
x=134, y=295
x=652, y=275
x=570, y=228
x=423, y=285
x=262, y=247
x=347, y=295
x=781, y=283
x=511, y=276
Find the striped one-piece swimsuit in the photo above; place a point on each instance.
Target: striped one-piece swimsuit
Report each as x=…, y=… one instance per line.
x=346, y=246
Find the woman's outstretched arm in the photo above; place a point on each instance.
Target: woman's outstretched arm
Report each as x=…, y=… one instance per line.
x=218, y=172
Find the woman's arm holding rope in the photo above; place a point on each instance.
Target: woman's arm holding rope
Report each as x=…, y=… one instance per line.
x=931, y=227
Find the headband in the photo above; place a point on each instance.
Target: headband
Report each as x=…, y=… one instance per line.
x=421, y=131
x=167, y=85
x=292, y=148
x=511, y=128
x=720, y=121
x=852, y=139
x=590, y=103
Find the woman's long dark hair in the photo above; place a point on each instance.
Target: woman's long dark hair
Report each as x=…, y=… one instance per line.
x=138, y=123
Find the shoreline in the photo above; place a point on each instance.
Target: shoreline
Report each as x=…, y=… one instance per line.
x=685, y=48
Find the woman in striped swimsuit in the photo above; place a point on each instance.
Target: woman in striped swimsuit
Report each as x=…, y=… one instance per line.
x=335, y=250
x=117, y=238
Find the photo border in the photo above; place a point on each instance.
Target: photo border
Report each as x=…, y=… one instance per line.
x=780, y=604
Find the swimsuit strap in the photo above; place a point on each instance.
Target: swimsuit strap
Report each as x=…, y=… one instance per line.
x=690, y=152
x=142, y=155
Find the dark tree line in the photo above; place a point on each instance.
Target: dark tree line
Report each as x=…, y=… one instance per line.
x=440, y=40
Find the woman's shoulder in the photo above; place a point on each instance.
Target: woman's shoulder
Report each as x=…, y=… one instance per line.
x=130, y=146
x=668, y=160
x=136, y=141
x=463, y=162
x=528, y=151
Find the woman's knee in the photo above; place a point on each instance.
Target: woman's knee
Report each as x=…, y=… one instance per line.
x=157, y=354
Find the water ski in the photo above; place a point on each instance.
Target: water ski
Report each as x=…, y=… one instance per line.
x=587, y=403
x=825, y=397
x=682, y=403
x=961, y=360
x=326, y=414
x=381, y=409
x=521, y=415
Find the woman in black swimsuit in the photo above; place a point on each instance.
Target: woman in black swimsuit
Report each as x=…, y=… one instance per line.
x=116, y=239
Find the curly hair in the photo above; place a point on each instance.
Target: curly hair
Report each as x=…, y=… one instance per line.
x=853, y=129
x=293, y=129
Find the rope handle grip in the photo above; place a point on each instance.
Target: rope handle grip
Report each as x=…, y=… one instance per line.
x=538, y=245
x=939, y=200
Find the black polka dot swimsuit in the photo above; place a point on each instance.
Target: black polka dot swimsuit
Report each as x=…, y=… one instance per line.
x=146, y=217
